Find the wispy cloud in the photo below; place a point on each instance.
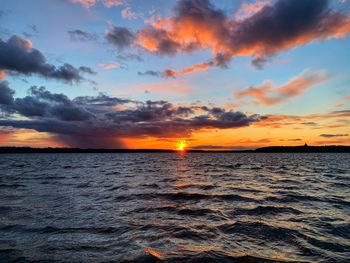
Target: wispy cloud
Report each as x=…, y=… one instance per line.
x=170, y=73
x=270, y=94
x=80, y=35
x=90, y=3
x=333, y=135
x=109, y=66
x=333, y=119
x=248, y=9
x=127, y=13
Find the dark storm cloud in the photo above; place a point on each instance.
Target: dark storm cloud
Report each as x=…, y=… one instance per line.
x=6, y=94
x=278, y=26
x=17, y=56
x=101, y=121
x=284, y=23
x=80, y=35
x=333, y=135
x=150, y=111
x=43, y=104
x=100, y=100
x=121, y=37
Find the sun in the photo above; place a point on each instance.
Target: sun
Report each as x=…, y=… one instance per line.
x=181, y=145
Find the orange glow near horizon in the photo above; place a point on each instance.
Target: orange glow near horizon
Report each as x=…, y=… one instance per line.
x=276, y=130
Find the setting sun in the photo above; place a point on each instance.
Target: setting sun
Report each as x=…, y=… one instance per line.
x=181, y=145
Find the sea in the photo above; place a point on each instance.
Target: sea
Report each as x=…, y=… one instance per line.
x=170, y=207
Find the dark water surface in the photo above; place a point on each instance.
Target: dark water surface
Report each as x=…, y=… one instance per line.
x=200, y=207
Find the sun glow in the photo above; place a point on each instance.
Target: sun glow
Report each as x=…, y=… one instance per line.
x=181, y=145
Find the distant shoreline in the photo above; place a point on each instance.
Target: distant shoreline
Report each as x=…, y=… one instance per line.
x=270, y=149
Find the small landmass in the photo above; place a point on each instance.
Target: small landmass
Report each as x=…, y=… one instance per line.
x=270, y=149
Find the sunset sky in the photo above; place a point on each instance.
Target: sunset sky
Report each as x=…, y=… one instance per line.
x=230, y=74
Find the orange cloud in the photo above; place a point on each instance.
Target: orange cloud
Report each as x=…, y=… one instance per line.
x=4, y=136
x=270, y=94
x=198, y=25
x=201, y=66
x=2, y=74
x=174, y=73
x=330, y=120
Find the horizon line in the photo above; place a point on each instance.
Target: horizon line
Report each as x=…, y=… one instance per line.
x=281, y=149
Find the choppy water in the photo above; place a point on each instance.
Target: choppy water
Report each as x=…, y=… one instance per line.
x=200, y=207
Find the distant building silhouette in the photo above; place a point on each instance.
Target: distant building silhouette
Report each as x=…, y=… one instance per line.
x=305, y=145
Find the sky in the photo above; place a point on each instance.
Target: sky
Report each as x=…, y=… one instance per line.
x=220, y=75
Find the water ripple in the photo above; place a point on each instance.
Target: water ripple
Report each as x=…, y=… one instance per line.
x=164, y=207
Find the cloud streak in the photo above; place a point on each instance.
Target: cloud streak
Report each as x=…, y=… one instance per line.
x=270, y=94
x=80, y=35
x=109, y=66
x=170, y=73
x=333, y=119
x=90, y=3
x=333, y=135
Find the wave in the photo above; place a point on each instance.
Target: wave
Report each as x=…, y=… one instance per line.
x=265, y=210
x=14, y=185
x=211, y=256
x=176, y=196
x=193, y=208
x=67, y=230
x=259, y=230
x=290, y=198
x=341, y=230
